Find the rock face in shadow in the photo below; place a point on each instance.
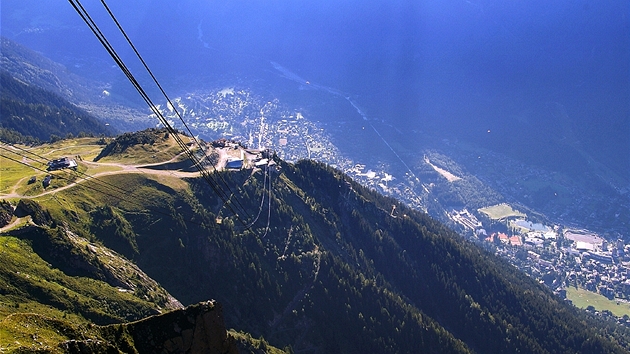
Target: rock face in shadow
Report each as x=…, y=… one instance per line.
x=196, y=329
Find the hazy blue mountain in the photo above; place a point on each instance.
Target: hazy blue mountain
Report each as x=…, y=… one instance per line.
x=89, y=92
x=546, y=85
x=549, y=81
x=41, y=114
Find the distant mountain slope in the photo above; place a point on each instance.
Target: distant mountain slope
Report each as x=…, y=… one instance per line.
x=33, y=68
x=98, y=98
x=332, y=267
x=32, y=111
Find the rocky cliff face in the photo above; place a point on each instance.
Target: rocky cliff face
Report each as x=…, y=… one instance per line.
x=196, y=329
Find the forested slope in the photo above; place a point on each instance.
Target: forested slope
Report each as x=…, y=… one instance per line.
x=40, y=114
x=324, y=266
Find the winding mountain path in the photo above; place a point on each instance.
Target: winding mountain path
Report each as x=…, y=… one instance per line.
x=126, y=169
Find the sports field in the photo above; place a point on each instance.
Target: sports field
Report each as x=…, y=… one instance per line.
x=501, y=211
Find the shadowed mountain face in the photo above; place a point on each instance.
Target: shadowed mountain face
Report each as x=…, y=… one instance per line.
x=42, y=114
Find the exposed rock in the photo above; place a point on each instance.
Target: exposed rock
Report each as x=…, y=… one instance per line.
x=87, y=346
x=6, y=213
x=196, y=329
x=39, y=215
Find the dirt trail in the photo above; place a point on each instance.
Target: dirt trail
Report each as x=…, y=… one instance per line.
x=12, y=224
x=125, y=169
x=16, y=185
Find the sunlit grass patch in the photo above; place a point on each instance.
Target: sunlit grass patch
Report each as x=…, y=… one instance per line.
x=160, y=151
x=13, y=172
x=24, y=275
x=501, y=211
x=248, y=343
x=25, y=332
x=23, y=169
x=583, y=298
x=96, y=169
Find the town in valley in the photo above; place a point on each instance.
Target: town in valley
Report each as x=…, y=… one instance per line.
x=558, y=252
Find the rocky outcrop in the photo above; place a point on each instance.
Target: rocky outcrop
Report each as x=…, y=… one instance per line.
x=196, y=329
x=39, y=215
x=6, y=213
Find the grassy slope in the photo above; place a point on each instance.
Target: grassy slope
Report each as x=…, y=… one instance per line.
x=26, y=276
x=163, y=149
x=40, y=305
x=584, y=298
x=38, y=300
x=15, y=175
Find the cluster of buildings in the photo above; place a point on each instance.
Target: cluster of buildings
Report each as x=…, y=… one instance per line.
x=560, y=258
x=62, y=163
x=557, y=256
x=55, y=165
x=236, y=156
x=295, y=137
x=504, y=239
